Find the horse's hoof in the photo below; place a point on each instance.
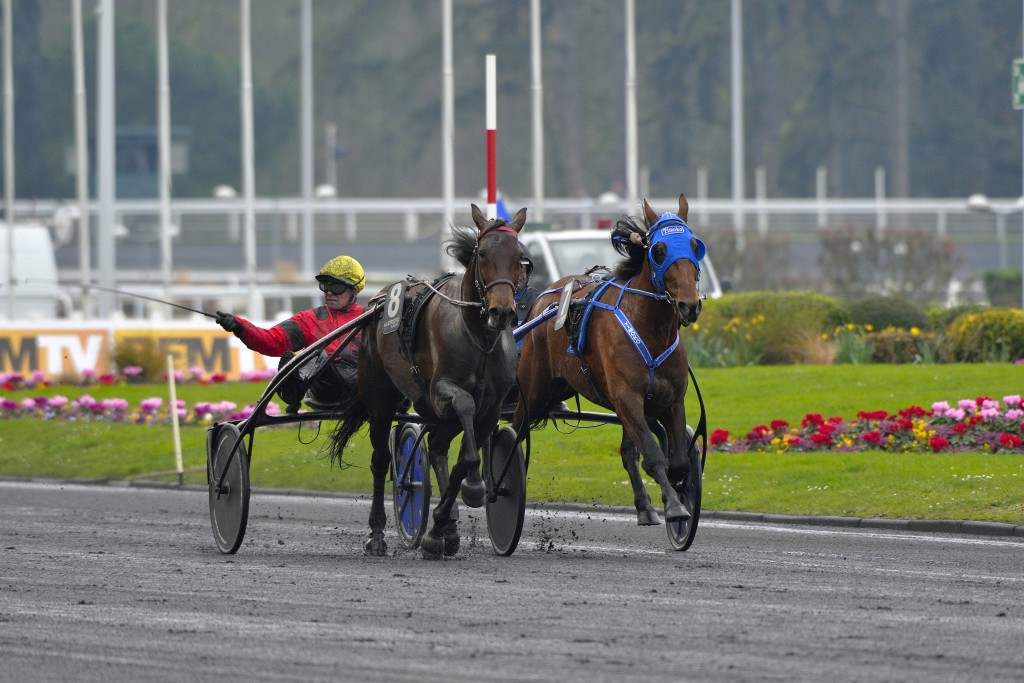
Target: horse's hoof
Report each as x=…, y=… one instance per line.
x=474, y=493
x=647, y=518
x=375, y=545
x=675, y=512
x=451, y=543
x=432, y=548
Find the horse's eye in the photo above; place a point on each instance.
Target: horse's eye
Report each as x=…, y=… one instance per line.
x=483, y=255
x=660, y=251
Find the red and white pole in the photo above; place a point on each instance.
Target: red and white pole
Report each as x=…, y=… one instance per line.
x=492, y=139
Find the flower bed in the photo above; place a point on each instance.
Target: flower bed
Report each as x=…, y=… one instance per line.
x=980, y=424
x=153, y=410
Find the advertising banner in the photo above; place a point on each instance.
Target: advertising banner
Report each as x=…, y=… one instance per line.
x=68, y=349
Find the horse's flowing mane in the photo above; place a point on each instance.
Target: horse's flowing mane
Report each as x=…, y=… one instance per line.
x=635, y=253
x=462, y=245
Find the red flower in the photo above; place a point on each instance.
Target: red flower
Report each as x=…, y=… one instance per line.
x=719, y=436
x=218, y=377
x=938, y=443
x=872, y=415
x=793, y=440
x=779, y=425
x=1009, y=440
x=758, y=433
x=913, y=411
x=107, y=379
x=826, y=429
x=960, y=428
x=873, y=436
x=812, y=419
x=821, y=439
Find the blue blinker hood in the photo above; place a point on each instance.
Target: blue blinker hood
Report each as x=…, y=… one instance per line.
x=676, y=235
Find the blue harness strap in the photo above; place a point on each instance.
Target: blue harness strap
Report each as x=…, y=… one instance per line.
x=627, y=326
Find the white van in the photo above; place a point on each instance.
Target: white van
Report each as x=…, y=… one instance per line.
x=37, y=294
x=570, y=252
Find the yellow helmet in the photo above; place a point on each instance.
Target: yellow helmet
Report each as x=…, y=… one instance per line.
x=343, y=269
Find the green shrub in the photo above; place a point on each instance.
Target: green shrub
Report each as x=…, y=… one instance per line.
x=777, y=327
x=852, y=345
x=882, y=312
x=142, y=352
x=995, y=334
x=941, y=317
x=896, y=345
x=1002, y=287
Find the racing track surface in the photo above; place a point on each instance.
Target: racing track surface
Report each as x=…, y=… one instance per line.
x=118, y=583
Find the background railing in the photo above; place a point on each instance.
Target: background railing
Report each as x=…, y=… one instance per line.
x=394, y=237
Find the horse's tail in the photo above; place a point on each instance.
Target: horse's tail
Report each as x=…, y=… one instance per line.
x=351, y=414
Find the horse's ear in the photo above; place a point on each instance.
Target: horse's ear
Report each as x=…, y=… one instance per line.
x=649, y=214
x=519, y=221
x=684, y=207
x=478, y=216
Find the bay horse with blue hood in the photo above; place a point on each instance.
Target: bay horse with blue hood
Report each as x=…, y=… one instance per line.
x=463, y=364
x=622, y=351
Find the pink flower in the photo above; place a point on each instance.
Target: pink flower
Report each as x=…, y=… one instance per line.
x=940, y=407
x=967, y=404
x=1012, y=400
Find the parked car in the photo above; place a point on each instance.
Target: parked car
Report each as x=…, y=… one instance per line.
x=569, y=252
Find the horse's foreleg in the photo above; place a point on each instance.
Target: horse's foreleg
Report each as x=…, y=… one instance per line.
x=439, y=440
x=466, y=472
x=655, y=463
x=380, y=463
x=645, y=512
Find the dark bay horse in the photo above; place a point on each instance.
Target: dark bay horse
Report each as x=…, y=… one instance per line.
x=631, y=360
x=463, y=365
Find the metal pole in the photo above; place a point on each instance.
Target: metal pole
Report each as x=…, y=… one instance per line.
x=447, y=128
x=307, y=136
x=9, y=155
x=491, y=67
x=82, y=162
x=164, y=119
x=248, y=173
x=106, y=179
x=631, y=132
x=738, y=171
x=1001, y=239
x=538, y=112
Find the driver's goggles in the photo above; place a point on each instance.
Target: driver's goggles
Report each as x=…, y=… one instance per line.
x=334, y=287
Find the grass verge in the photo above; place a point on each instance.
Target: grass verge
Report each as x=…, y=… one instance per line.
x=582, y=465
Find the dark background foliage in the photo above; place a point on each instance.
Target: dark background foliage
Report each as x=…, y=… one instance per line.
x=920, y=87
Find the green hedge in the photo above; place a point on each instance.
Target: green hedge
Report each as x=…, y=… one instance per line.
x=996, y=334
x=882, y=312
x=772, y=328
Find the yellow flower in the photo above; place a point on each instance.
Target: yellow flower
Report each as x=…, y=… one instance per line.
x=869, y=327
x=850, y=326
x=824, y=337
x=695, y=327
x=914, y=331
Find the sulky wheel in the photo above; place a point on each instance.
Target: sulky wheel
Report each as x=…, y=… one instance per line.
x=411, y=478
x=227, y=473
x=506, y=475
x=681, y=533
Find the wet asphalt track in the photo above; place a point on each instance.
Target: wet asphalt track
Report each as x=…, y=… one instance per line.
x=118, y=583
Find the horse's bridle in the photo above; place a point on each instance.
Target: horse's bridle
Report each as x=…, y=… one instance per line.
x=481, y=287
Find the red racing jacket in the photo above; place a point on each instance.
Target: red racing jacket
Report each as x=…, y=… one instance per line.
x=299, y=331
